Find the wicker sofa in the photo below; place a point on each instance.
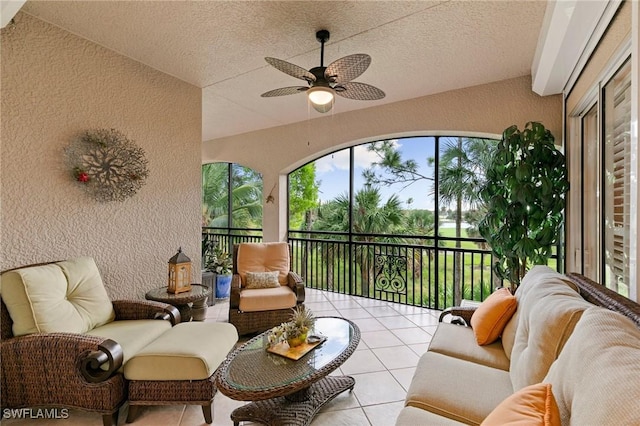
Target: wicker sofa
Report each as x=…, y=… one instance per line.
x=65, y=344
x=567, y=331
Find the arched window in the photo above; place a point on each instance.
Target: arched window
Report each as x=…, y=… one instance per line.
x=394, y=220
x=231, y=205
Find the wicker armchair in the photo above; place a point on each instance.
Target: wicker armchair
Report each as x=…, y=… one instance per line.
x=70, y=370
x=261, y=319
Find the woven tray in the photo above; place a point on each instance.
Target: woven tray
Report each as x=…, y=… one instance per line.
x=296, y=352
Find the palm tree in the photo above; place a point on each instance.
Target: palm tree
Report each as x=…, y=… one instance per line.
x=462, y=164
x=420, y=222
x=330, y=216
x=370, y=216
x=246, y=196
x=460, y=176
x=215, y=184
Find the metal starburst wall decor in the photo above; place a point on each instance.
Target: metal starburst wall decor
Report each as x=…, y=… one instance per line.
x=107, y=164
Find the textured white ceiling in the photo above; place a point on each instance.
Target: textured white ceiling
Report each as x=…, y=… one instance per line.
x=418, y=47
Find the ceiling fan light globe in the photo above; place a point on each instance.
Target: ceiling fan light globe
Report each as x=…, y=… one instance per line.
x=323, y=108
x=320, y=96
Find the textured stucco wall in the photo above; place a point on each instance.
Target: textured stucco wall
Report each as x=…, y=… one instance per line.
x=55, y=85
x=481, y=110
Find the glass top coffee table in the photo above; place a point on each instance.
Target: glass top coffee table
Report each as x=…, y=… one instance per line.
x=285, y=391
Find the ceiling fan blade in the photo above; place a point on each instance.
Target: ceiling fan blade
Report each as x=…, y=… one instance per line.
x=359, y=91
x=348, y=68
x=291, y=90
x=291, y=69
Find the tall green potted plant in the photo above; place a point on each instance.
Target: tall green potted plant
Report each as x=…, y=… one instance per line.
x=524, y=194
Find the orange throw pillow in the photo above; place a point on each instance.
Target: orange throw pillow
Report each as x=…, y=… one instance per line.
x=531, y=406
x=492, y=316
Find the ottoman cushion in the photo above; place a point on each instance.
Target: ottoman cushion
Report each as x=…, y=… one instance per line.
x=131, y=335
x=188, y=351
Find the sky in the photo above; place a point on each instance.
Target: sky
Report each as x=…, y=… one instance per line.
x=333, y=172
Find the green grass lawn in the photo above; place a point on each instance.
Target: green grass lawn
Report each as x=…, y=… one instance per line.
x=451, y=233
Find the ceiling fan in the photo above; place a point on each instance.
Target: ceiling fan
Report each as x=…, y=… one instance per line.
x=325, y=82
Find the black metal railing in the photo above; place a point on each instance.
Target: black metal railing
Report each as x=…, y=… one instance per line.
x=426, y=271
x=404, y=269
x=225, y=238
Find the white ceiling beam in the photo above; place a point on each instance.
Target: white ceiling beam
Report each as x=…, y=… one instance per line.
x=570, y=32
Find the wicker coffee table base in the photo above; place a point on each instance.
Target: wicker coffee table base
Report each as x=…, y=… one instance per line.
x=289, y=410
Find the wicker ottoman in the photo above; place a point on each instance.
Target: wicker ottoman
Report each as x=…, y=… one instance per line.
x=178, y=367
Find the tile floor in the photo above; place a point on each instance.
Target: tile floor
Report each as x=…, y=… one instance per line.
x=393, y=337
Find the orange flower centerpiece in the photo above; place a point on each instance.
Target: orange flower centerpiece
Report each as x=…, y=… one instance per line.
x=295, y=331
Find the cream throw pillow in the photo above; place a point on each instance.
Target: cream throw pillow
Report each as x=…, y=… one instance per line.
x=262, y=279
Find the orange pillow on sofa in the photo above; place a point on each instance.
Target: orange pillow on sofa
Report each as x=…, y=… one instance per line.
x=492, y=316
x=534, y=405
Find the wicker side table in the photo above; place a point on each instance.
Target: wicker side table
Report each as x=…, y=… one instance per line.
x=191, y=304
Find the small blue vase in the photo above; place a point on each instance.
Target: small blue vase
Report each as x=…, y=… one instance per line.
x=223, y=286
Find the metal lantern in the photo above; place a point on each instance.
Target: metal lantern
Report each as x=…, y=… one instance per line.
x=179, y=273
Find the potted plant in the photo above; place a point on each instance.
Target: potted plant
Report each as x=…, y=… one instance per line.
x=295, y=331
x=208, y=277
x=524, y=195
x=220, y=263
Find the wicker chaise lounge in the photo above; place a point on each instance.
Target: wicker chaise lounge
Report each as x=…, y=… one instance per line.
x=256, y=308
x=53, y=362
x=65, y=344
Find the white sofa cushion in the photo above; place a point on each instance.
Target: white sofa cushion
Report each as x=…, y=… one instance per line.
x=548, y=311
x=459, y=390
x=460, y=342
x=533, y=278
x=62, y=297
x=596, y=378
x=412, y=416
